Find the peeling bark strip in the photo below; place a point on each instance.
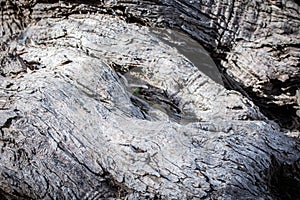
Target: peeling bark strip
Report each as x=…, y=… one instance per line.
x=71, y=129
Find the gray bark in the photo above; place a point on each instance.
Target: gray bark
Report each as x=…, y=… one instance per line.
x=255, y=43
x=94, y=107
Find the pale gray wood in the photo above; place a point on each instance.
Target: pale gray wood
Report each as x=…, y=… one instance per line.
x=72, y=128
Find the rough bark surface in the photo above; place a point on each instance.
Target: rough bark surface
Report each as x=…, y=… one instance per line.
x=256, y=44
x=93, y=107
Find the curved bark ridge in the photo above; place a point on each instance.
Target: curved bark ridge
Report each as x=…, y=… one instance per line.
x=84, y=125
x=256, y=43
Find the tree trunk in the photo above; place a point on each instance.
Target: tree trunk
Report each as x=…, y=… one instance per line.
x=93, y=106
x=255, y=44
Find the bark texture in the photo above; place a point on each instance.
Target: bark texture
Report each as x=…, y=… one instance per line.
x=94, y=107
x=255, y=43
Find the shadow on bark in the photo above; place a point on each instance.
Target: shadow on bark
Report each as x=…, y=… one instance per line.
x=284, y=181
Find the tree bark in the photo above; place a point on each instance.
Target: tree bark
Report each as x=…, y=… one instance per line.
x=94, y=106
x=255, y=44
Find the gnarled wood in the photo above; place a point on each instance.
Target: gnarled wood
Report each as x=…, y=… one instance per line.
x=256, y=44
x=71, y=127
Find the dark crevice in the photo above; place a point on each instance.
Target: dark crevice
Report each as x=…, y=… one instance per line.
x=9, y=121
x=228, y=82
x=277, y=87
x=12, y=196
x=118, y=190
x=129, y=18
x=284, y=180
x=285, y=116
x=146, y=98
x=154, y=94
x=122, y=69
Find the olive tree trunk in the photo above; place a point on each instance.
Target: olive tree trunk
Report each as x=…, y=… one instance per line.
x=93, y=105
x=255, y=44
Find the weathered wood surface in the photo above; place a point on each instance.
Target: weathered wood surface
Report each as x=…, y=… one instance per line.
x=71, y=127
x=256, y=44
